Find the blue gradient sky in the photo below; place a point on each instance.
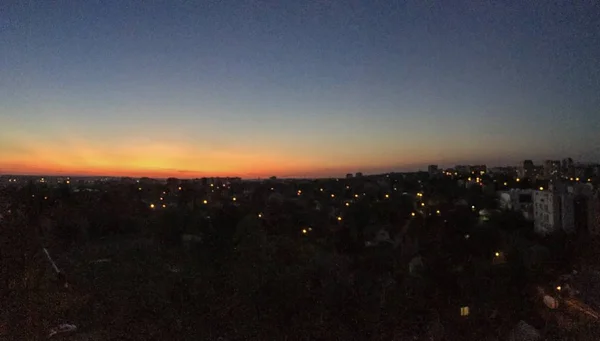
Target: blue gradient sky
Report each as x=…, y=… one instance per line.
x=294, y=88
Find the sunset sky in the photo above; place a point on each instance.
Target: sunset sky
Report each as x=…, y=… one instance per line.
x=294, y=88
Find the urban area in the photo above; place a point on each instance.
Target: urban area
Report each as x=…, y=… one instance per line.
x=461, y=253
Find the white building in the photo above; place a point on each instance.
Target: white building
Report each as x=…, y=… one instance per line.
x=570, y=208
x=546, y=212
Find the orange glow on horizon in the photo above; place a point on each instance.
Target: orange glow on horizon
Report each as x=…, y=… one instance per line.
x=161, y=159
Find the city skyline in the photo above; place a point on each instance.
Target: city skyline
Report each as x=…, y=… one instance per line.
x=310, y=89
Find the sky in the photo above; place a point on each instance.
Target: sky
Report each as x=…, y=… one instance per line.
x=294, y=88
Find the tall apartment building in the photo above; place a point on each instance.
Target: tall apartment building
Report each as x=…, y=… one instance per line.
x=568, y=208
x=552, y=169
x=546, y=212
x=527, y=169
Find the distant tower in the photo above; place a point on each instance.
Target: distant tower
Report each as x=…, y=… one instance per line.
x=527, y=170
x=433, y=170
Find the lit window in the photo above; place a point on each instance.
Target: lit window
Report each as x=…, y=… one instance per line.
x=464, y=311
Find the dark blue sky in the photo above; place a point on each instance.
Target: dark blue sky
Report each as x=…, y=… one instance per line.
x=296, y=87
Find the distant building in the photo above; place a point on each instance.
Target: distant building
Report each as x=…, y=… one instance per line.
x=478, y=169
x=568, y=167
x=552, y=169
x=433, y=170
x=527, y=170
x=462, y=169
x=359, y=175
x=349, y=176
x=509, y=171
